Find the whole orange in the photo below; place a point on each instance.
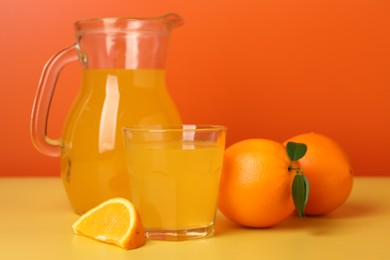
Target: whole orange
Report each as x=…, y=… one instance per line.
x=255, y=185
x=328, y=170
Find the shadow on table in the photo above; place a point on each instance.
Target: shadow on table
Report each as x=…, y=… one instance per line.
x=223, y=225
x=343, y=219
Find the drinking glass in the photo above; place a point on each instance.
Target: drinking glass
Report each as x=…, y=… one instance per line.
x=174, y=173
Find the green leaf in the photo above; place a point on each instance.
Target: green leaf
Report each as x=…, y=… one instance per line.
x=307, y=189
x=296, y=150
x=300, y=193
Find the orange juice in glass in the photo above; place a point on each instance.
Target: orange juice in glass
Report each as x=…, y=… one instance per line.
x=174, y=174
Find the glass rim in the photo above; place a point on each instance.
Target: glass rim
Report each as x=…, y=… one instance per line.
x=175, y=128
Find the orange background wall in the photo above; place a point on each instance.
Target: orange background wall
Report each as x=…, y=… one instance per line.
x=269, y=69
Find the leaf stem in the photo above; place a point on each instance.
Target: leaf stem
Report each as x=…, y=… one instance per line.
x=298, y=170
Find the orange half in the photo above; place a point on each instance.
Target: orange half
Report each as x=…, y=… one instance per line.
x=115, y=221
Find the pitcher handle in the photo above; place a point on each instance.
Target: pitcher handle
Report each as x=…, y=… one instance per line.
x=42, y=101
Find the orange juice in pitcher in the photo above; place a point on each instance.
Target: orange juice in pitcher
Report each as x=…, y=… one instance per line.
x=123, y=83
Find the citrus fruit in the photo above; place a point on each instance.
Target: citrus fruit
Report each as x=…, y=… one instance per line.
x=255, y=185
x=328, y=170
x=114, y=221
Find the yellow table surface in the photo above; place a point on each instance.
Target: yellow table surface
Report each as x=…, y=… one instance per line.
x=36, y=220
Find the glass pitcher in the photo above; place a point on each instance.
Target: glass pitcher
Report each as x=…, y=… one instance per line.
x=123, y=83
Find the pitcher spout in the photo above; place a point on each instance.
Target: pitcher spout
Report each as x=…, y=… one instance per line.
x=172, y=20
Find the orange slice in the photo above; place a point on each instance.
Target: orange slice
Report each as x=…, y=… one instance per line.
x=115, y=221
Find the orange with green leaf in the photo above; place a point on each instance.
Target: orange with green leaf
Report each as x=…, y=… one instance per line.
x=261, y=182
x=329, y=171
